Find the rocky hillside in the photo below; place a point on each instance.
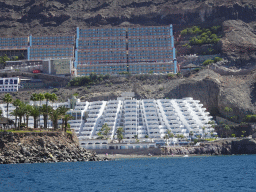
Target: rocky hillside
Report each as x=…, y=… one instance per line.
x=215, y=91
x=220, y=147
x=239, y=42
x=46, y=17
x=37, y=17
x=41, y=148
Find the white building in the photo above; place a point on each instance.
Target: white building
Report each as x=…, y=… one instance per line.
x=147, y=119
x=10, y=84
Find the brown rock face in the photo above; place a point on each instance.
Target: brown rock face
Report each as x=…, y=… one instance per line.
x=39, y=17
x=239, y=42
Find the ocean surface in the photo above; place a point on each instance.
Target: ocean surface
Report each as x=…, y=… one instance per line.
x=201, y=173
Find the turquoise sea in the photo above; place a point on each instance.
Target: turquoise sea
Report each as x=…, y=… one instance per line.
x=201, y=173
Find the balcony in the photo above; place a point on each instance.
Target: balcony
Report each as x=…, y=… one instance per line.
x=96, y=103
x=130, y=126
x=92, y=115
x=92, y=111
x=155, y=134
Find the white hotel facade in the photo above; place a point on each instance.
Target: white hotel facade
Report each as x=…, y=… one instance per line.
x=149, y=119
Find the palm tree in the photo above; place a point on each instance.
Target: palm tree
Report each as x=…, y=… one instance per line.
x=66, y=119
x=28, y=109
x=62, y=111
x=21, y=112
x=104, y=131
x=49, y=97
x=7, y=99
x=34, y=97
x=55, y=116
x=14, y=113
x=45, y=110
x=40, y=97
x=53, y=97
x=191, y=134
x=35, y=113
x=119, y=133
x=16, y=103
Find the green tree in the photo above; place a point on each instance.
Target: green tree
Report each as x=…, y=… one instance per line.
x=227, y=110
x=243, y=132
x=16, y=103
x=28, y=109
x=119, y=133
x=66, y=118
x=35, y=113
x=45, y=110
x=15, y=58
x=3, y=59
x=105, y=130
x=7, y=99
x=208, y=62
x=34, y=97
x=49, y=97
x=191, y=133
x=136, y=138
x=21, y=112
x=227, y=129
x=40, y=97
x=62, y=111
x=55, y=115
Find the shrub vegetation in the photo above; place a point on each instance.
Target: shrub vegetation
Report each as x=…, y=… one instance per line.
x=88, y=80
x=202, y=36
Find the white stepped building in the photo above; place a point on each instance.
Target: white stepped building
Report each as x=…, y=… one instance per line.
x=146, y=119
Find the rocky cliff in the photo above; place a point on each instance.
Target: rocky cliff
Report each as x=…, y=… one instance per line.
x=41, y=148
x=37, y=17
x=221, y=147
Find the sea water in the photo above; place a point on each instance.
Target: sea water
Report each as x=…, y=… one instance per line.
x=201, y=173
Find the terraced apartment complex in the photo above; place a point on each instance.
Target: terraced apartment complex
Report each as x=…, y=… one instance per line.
x=146, y=120
x=102, y=50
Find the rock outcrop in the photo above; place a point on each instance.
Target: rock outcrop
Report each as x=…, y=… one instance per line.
x=222, y=147
x=41, y=148
x=39, y=17
x=239, y=42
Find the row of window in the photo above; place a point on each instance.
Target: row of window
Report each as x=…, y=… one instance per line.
x=103, y=47
x=102, y=53
x=103, y=35
x=143, y=33
x=101, y=29
x=8, y=81
x=102, y=41
x=50, y=55
x=100, y=67
x=66, y=38
x=8, y=90
x=52, y=43
x=40, y=49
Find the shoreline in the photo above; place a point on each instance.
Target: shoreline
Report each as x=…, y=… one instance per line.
x=135, y=156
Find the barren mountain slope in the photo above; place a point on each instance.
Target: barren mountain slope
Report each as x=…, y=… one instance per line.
x=214, y=91
x=24, y=17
